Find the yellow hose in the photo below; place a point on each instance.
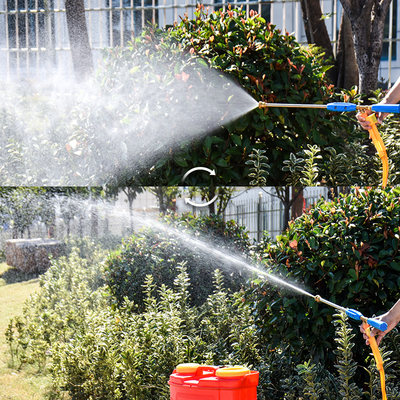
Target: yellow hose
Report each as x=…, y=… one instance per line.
x=378, y=358
x=380, y=147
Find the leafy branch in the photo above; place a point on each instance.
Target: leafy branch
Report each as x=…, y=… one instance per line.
x=260, y=169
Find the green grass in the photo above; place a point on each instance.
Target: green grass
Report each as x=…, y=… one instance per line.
x=15, y=288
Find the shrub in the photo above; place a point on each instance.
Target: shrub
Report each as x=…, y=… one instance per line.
x=268, y=64
x=347, y=251
x=151, y=251
x=99, y=351
x=120, y=354
x=70, y=288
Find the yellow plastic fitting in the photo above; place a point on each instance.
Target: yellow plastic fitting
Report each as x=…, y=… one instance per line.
x=232, y=372
x=188, y=368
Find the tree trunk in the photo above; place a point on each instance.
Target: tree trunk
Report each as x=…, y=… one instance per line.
x=297, y=202
x=130, y=201
x=211, y=207
x=94, y=225
x=283, y=193
x=367, y=23
x=78, y=38
x=346, y=63
x=161, y=201
x=287, y=204
x=316, y=31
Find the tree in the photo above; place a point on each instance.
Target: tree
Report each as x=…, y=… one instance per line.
x=346, y=64
x=78, y=38
x=222, y=195
x=316, y=31
x=69, y=208
x=367, y=19
x=166, y=197
x=289, y=198
x=131, y=193
x=345, y=71
x=361, y=29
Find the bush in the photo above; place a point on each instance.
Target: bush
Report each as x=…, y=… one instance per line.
x=88, y=247
x=116, y=353
x=155, y=252
x=70, y=288
x=270, y=65
x=95, y=350
x=347, y=251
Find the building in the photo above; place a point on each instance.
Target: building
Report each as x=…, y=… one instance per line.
x=34, y=36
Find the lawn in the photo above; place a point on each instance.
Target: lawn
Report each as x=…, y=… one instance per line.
x=16, y=385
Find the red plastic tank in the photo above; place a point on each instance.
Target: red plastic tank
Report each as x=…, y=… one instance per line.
x=206, y=382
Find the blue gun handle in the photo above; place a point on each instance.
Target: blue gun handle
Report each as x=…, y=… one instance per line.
x=386, y=108
x=342, y=107
x=353, y=314
x=382, y=326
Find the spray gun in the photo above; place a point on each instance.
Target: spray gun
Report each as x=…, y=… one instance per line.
x=351, y=313
x=348, y=107
x=339, y=107
x=366, y=323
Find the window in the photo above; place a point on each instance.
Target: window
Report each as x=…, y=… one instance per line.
x=385, y=49
x=129, y=17
x=27, y=32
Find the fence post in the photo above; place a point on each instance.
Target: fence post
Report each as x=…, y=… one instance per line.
x=259, y=217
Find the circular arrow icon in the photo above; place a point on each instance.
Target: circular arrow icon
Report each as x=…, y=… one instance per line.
x=192, y=203
x=210, y=171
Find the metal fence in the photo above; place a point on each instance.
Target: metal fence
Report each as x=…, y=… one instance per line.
x=261, y=210
x=264, y=213
x=34, y=36
x=257, y=209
